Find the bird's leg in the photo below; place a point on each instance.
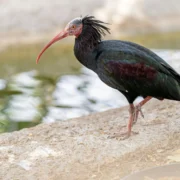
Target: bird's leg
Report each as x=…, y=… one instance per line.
x=131, y=119
x=127, y=131
x=134, y=112
x=138, y=108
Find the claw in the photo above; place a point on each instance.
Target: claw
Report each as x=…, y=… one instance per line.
x=141, y=113
x=122, y=135
x=134, y=111
x=138, y=109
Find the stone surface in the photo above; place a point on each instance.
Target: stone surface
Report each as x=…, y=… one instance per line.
x=81, y=148
x=41, y=16
x=128, y=16
x=137, y=16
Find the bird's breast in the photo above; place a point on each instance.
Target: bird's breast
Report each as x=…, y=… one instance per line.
x=109, y=80
x=86, y=58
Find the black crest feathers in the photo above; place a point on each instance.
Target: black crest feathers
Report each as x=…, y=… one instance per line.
x=93, y=28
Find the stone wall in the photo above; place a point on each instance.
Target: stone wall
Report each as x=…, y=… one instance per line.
x=133, y=16
x=126, y=16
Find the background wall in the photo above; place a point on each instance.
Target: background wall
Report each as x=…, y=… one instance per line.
x=126, y=16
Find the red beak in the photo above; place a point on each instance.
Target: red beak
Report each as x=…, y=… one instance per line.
x=60, y=36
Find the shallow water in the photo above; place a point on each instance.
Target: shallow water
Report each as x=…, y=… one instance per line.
x=29, y=98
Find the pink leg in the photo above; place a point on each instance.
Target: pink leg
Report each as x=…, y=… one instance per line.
x=138, y=108
x=134, y=111
x=127, y=130
x=131, y=119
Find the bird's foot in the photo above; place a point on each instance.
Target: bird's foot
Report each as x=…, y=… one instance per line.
x=137, y=110
x=140, y=110
x=119, y=136
x=124, y=134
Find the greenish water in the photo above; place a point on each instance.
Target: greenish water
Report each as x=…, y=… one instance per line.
x=57, y=87
x=15, y=60
x=169, y=40
x=58, y=60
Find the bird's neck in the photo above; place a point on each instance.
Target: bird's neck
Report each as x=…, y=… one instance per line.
x=83, y=50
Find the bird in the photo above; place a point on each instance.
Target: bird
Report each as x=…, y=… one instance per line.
x=133, y=70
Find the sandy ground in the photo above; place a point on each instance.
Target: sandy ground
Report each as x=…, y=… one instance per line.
x=80, y=149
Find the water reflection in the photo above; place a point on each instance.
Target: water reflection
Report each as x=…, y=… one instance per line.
x=2, y=84
x=28, y=98
x=81, y=94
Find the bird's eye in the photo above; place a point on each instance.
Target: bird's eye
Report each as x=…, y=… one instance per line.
x=73, y=26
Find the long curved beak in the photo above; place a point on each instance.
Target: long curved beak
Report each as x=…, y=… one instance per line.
x=60, y=36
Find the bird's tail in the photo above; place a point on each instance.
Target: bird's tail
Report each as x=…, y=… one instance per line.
x=176, y=88
x=175, y=85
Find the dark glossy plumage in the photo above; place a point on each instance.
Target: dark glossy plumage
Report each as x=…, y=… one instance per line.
x=130, y=68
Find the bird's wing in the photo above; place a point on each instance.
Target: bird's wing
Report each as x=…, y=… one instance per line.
x=163, y=65
x=139, y=72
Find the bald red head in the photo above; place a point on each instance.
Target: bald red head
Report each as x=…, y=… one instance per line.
x=74, y=27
